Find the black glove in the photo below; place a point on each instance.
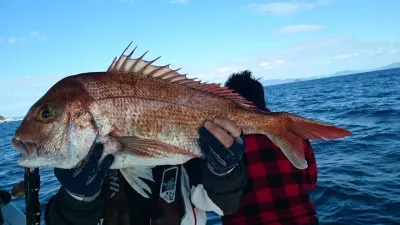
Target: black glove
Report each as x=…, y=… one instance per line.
x=5, y=198
x=84, y=182
x=221, y=161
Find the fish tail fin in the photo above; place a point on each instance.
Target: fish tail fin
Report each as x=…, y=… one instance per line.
x=292, y=130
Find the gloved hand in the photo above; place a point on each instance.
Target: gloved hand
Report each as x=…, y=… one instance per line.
x=5, y=198
x=84, y=182
x=222, y=144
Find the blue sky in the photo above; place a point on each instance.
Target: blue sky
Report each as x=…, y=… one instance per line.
x=43, y=41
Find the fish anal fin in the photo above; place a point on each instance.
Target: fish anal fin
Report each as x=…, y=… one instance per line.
x=292, y=147
x=140, y=67
x=134, y=178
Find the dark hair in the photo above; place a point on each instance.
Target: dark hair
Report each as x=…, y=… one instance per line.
x=248, y=87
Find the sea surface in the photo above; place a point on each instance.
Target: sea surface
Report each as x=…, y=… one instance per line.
x=359, y=176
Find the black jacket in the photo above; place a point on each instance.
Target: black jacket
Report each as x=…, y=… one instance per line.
x=128, y=207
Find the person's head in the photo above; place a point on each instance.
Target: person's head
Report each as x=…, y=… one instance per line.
x=248, y=87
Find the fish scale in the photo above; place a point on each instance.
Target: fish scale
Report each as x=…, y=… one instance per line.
x=150, y=119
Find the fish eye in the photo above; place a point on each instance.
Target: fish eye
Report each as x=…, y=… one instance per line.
x=46, y=114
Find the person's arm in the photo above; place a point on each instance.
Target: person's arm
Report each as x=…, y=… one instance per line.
x=225, y=191
x=311, y=171
x=63, y=209
x=1, y=218
x=80, y=199
x=223, y=175
x=5, y=198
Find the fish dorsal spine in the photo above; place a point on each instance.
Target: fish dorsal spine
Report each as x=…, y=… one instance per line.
x=140, y=67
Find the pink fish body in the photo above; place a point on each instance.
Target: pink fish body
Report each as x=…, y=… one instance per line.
x=146, y=115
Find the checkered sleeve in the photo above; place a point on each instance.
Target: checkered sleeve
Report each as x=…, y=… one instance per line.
x=277, y=191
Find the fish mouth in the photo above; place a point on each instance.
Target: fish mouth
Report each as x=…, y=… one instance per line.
x=27, y=149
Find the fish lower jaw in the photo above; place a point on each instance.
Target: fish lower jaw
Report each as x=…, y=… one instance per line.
x=25, y=162
x=26, y=158
x=41, y=161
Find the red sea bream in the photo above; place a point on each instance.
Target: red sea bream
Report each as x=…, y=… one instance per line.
x=146, y=115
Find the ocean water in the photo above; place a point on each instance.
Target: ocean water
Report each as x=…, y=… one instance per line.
x=359, y=176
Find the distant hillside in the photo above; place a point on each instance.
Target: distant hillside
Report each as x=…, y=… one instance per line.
x=348, y=72
x=339, y=73
x=2, y=119
x=390, y=66
x=279, y=81
x=345, y=72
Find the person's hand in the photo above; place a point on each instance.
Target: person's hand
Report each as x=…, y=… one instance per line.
x=5, y=198
x=222, y=144
x=84, y=182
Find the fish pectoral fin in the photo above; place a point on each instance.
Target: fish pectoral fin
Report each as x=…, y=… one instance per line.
x=133, y=177
x=149, y=148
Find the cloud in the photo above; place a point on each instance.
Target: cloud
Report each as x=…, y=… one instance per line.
x=224, y=70
x=216, y=74
x=346, y=56
x=38, y=35
x=285, y=8
x=15, y=40
x=314, y=57
x=300, y=28
x=12, y=40
x=342, y=56
x=271, y=65
x=127, y=1
x=178, y=1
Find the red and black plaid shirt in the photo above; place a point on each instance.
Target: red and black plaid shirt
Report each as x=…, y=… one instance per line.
x=277, y=192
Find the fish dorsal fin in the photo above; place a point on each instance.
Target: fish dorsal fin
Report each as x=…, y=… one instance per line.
x=141, y=67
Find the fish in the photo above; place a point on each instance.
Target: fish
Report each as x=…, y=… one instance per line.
x=146, y=115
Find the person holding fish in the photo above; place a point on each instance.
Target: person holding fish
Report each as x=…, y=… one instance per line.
x=214, y=183
x=277, y=192
x=132, y=144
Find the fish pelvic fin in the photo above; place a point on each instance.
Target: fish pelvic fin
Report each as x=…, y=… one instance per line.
x=133, y=177
x=293, y=129
x=139, y=67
